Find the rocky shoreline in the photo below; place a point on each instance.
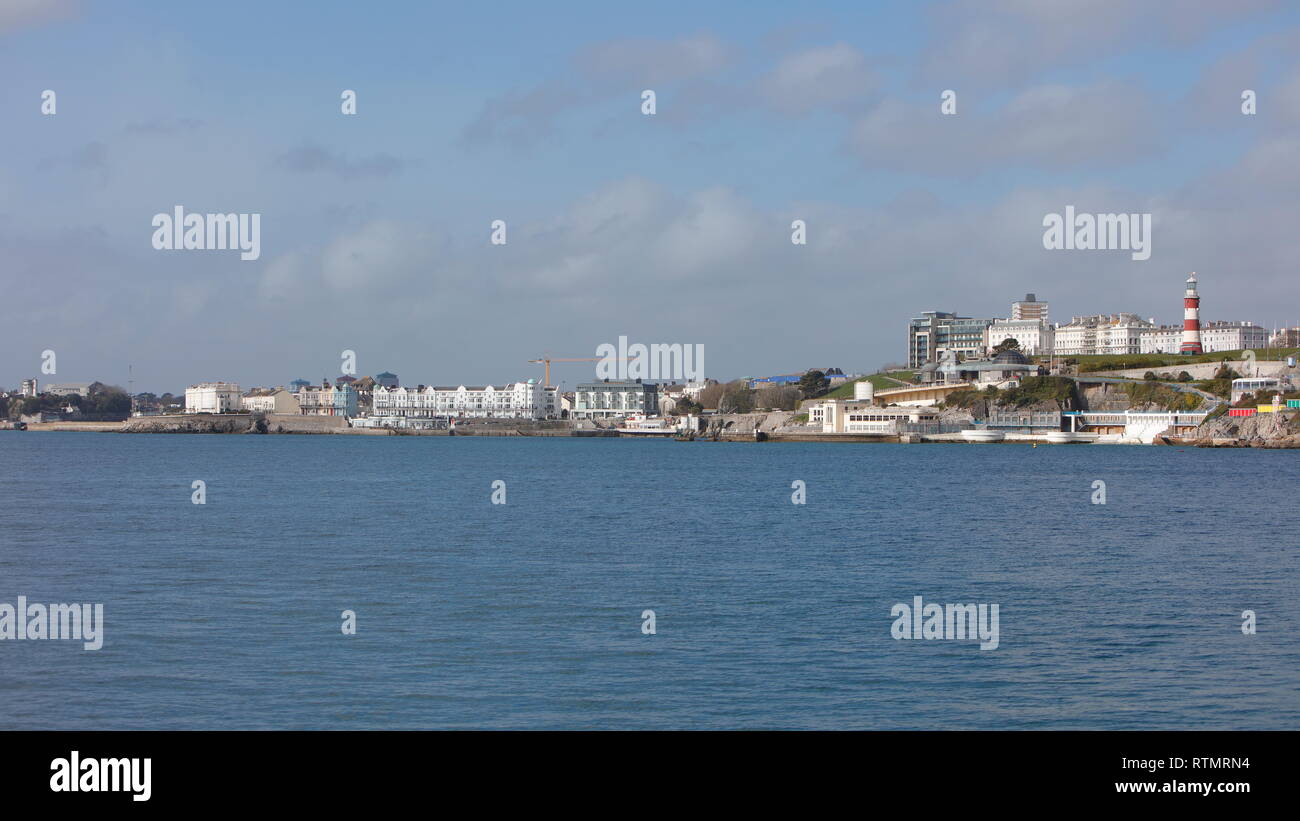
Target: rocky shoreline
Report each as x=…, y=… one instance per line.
x=1269, y=431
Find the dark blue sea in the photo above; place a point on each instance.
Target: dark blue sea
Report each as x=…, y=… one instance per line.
x=227, y=615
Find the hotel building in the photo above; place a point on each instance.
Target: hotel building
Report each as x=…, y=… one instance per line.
x=936, y=331
x=608, y=399
x=518, y=400
x=1215, y=337
x=1035, y=336
x=1101, y=334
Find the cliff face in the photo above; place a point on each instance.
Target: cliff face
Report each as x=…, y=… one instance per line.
x=1263, y=430
x=745, y=422
x=1149, y=397
x=1104, y=398
x=196, y=423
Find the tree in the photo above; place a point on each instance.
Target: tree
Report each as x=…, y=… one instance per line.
x=711, y=395
x=814, y=384
x=736, y=398
x=1184, y=376
x=779, y=397
x=1008, y=344
x=685, y=405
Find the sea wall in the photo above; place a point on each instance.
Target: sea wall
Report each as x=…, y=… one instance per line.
x=1199, y=370
x=295, y=423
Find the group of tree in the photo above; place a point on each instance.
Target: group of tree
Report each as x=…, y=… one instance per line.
x=687, y=405
x=814, y=384
x=100, y=400
x=778, y=397
x=147, y=399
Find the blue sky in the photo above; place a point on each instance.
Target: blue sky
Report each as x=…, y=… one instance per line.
x=671, y=228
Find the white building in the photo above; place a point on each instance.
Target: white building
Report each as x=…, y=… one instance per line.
x=270, y=400
x=1215, y=337
x=518, y=400
x=1282, y=338
x=862, y=416
x=1101, y=334
x=1035, y=336
x=694, y=389
x=1255, y=385
x=1232, y=336
x=1165, y=339
x=212, y=397
x=614, y=398
x=67, y=388
x=29, y=387
x=327, y=400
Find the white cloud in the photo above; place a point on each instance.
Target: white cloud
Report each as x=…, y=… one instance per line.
x=979, y=44
x=646, y=61
x=819, y=77
x=1052, y=126
x=16, y=14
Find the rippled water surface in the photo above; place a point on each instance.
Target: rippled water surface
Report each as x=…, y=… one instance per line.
x=528, y=615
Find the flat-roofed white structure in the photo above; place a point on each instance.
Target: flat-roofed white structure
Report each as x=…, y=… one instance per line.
x=212, y=397
x=853, y=416
x=1255, y=385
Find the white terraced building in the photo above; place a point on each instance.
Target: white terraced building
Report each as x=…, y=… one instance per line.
x=518, y=400
x=1101, y=334
x=1215, y=337
x=1035, y=336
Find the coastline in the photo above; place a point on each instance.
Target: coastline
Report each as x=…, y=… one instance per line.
x=271, y=424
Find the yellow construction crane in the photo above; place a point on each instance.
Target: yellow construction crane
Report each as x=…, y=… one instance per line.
x=549, y=359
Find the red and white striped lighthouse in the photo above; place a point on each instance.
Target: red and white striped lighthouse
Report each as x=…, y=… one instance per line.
x=1191, y=319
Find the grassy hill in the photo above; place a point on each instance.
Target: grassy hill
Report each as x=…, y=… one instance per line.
x=1115, y=362
x=882, y=381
